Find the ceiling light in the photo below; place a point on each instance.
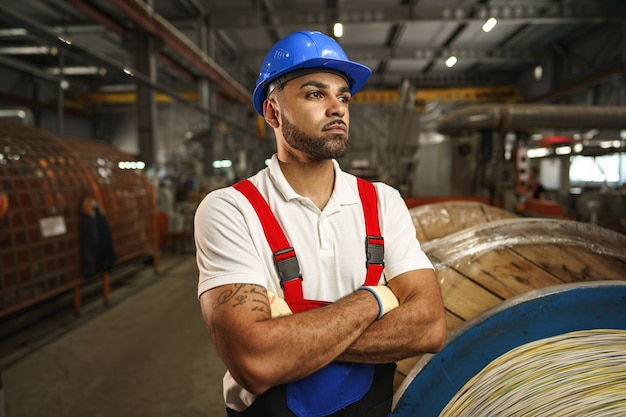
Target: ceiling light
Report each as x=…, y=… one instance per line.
x=25, y=50
x=538, y=152
x=12, y=32
x=606, y=144
x=563, y=150
x=338, y=30
x=451, y=61
x=79, y=70
x=64, y=39
x=538, y=72
x=489, y=24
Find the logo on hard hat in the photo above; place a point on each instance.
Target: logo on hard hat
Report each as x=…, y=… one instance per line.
x=281, y=54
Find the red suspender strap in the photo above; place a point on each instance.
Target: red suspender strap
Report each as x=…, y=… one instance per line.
x=374, y=243
x=284, y=255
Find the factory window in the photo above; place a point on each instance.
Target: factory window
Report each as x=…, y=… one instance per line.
x=598, y=170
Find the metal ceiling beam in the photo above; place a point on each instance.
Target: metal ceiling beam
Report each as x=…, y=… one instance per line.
x=29, y=69
x=485, y=55
x=54, y=39
x=109, y=24
x=441, y=79
x=293, y=19
x=98, y=16
x=588, y=82
x=157, y=26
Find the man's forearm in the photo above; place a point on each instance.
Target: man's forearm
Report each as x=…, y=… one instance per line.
x=266, y=352
x=407, y=331
x=417, y=326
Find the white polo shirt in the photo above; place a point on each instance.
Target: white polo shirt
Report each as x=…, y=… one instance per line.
x=329, y=244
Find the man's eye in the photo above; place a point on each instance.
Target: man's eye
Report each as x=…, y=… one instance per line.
x=315, y=94
x=345, y=99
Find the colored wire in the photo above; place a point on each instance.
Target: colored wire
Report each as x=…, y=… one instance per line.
x=580, y=373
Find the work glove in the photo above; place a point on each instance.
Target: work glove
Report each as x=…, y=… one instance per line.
x=278, y=306
x=386, y=299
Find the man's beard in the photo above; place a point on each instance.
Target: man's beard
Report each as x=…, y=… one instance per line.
x=322, y=147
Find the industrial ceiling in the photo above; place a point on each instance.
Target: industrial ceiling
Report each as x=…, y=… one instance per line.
x=92, y=45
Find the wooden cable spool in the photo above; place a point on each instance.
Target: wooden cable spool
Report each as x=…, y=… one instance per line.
x=481, y=266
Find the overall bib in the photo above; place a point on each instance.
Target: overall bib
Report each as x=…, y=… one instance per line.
x=340, y=389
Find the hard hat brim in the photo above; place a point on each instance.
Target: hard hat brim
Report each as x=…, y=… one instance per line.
x=357, y=75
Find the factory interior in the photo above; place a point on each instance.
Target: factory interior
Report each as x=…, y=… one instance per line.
x=125, y=114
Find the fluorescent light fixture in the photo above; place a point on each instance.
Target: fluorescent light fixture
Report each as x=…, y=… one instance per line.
x=338, y=30
x=78, y=71
x=64, y=39
x=117, y=88
x=450, y=62
x=563, y=150
x=606, y=144
x=224, y=163
x=131, y=165
x=490, y=24
x=538, y=152
x=25, y=50
x=538, y=72
x=13, y=32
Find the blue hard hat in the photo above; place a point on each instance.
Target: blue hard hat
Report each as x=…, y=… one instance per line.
x=306, y=49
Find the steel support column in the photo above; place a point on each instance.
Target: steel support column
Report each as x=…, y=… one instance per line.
x=146, y=102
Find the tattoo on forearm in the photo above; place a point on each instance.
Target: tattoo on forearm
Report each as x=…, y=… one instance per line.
x=244, y=295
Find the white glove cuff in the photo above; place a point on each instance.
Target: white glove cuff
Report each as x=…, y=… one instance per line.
x=386, y=299
x=278, y=306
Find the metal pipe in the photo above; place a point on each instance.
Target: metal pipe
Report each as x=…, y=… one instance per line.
x=23, y=114
x=532, y=116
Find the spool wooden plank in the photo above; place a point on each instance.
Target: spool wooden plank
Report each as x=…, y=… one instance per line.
x=575, y=264
x=436, y=220
x=506, y=279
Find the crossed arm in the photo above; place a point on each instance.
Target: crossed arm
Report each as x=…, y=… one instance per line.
x=261, y=352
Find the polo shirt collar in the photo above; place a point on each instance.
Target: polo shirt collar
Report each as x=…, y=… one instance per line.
x=343, y=193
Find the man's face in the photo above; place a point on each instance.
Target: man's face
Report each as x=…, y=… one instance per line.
x=314, y=116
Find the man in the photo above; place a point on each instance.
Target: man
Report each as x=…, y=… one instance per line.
x=334, y=355
x=536, y=190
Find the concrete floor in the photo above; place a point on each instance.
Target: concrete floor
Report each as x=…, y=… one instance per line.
x=148, y=354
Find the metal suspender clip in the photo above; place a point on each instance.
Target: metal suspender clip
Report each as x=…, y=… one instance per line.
x=375, y=250
x=287, y=265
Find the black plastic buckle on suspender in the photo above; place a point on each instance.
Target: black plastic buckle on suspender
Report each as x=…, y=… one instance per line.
x=374, y=250
x=287, y=265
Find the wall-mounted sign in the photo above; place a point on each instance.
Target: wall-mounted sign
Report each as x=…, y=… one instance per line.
x=52, y=226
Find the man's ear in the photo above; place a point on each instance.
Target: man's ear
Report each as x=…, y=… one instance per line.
x=270, y=113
